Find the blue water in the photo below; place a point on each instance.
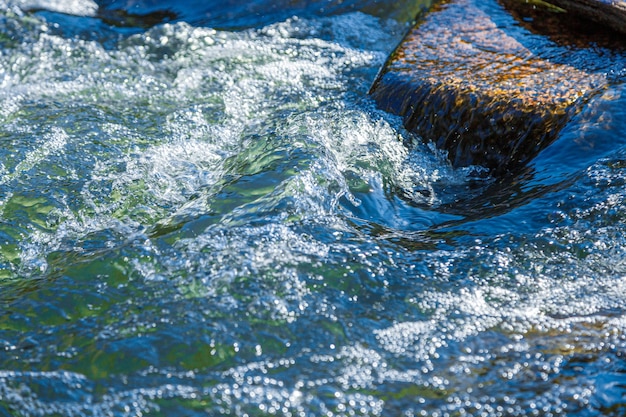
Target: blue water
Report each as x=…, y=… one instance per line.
x=211, y=217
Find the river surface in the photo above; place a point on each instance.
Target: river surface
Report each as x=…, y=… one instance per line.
x=204, y=219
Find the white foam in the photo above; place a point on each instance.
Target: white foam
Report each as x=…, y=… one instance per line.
x=73, y=7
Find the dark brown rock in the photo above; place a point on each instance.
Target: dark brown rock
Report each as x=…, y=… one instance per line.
x=472, y=79
x=565, y=28
x=607, y=12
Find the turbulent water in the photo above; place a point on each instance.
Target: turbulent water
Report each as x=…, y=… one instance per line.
x=202, y=222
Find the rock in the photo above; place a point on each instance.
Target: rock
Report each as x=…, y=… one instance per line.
x=607, y=12
x=471, y=78
x=562, y=27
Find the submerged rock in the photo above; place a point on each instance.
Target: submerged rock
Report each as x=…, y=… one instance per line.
x=473, y=79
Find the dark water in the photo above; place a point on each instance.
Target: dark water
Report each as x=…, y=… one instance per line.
x=204, y=222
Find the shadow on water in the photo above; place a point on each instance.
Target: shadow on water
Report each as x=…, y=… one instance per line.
x=238, y=14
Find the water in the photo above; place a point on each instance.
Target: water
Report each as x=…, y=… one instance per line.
x=200, y=221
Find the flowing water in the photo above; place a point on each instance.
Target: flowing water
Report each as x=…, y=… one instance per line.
x=204, y=222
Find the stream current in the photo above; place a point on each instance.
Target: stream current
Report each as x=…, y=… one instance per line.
x=204, y=222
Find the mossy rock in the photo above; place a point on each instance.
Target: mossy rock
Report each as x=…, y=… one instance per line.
x=473, y=79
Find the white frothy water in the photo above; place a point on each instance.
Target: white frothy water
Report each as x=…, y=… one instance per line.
x=71, y=7
x=203, y=95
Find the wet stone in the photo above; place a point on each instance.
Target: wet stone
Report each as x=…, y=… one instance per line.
x=486, y=87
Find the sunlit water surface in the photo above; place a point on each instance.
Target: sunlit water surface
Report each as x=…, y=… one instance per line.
x=200, y=222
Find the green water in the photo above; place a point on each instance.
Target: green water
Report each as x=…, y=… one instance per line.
x=199, y=222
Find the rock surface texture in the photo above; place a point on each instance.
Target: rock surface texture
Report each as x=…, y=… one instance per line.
x=485, y=87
